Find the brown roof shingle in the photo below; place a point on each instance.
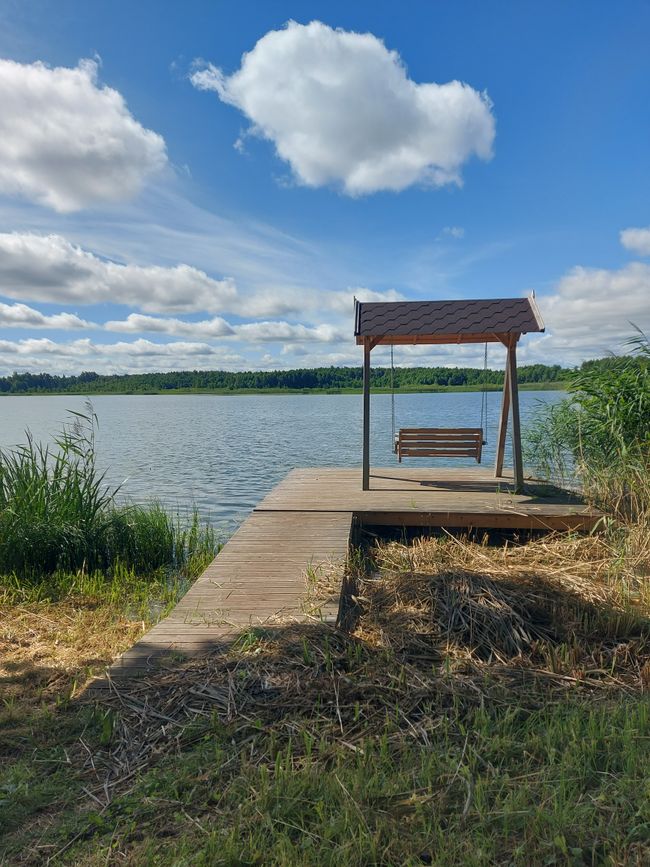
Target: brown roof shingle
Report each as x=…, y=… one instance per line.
x=406, y=319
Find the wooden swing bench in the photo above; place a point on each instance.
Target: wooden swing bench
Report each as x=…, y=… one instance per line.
x=439, y=442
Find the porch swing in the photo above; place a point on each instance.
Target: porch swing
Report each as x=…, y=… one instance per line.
x=426, y=442
x=413, y=323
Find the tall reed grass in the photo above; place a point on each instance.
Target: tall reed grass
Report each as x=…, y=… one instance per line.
x=600, y=435
x=58, y=512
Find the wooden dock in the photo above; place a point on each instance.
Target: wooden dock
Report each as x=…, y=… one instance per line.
x=261, y=577
x=442, y=497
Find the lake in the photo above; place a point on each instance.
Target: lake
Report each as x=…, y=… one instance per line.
x=224, y=453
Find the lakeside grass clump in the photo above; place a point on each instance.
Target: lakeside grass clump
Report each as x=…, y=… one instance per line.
x=58, y=514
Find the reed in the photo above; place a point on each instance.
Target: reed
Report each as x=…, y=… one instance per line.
x=58, y=513
x=600, y=435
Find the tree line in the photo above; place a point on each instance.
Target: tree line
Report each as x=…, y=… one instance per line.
x=322, y=378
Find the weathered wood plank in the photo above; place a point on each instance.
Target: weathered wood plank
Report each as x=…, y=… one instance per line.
x=258, y=578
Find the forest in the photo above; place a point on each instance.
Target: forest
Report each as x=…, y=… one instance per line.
x=317, y=379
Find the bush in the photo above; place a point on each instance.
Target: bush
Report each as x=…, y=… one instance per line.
x=58, y=513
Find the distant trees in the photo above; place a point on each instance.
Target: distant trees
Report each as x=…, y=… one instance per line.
x=327, y=378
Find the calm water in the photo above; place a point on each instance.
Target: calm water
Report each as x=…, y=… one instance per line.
x=225, y=453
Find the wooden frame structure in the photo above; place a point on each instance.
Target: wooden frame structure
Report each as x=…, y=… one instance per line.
x=500, y=320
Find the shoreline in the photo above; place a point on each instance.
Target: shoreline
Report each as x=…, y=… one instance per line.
x=238, y=392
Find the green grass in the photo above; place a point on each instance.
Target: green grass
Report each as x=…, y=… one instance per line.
x=562, y=785
x=402, y=743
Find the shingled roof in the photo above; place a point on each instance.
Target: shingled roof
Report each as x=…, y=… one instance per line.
x=445, y=321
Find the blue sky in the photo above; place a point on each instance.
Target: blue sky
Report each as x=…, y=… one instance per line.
x=167, y=204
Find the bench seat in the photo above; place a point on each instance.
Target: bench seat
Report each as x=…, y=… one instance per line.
x=439, y=442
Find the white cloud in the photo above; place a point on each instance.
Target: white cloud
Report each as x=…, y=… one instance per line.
x=250, y=332
x=283, y=301
x=637, y=240
x=50, y=268
x=42, y=354
x=22, y=316
x=138, y=323
x=277, y=301
x=66, y=142
x=590, y=312
x=343, y=302
x=270, y=332
x=340, y=108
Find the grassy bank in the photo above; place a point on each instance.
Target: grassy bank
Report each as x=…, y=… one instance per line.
x=82, y=576
x=489, y=707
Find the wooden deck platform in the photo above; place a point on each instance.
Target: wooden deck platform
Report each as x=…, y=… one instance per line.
x=426, y=497
x=261, y=576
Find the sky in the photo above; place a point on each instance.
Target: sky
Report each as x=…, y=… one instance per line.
x=208, y=185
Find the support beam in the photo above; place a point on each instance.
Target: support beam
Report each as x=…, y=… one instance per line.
x=514, y=406
x=503, y=425
x=365, y=485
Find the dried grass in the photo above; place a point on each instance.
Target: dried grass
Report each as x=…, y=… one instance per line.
x=444, y=624
x=48, y=648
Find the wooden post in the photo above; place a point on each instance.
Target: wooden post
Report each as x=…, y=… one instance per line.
x=365, y=485
x=503, y=425
x=514, y=405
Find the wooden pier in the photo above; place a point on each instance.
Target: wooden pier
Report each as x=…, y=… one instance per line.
x=261, y=577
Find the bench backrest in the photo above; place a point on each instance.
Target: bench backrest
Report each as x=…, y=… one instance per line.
x=425, y=442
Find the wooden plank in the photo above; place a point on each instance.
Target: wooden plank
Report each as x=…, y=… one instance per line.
x=464, y=520
x=252, y=581
x=442, y=431
x=417, y=339
x=424, y=452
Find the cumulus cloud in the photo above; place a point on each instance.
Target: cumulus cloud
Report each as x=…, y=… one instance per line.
x=50, y=268
x=250, y=332
x=590, y=312
x=122, y=357
x=67, y=142
x=22, y=316
x=284, y=332
x=283, y=301
x=340, y=108
x=343, y=302
x=138, y=323
x=637, y=240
